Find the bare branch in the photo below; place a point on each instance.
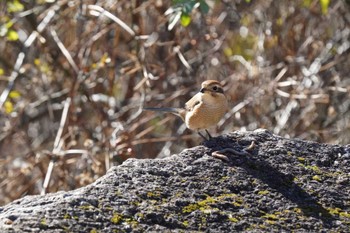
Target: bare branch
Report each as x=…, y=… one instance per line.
x=64, y=51
x=97, y=11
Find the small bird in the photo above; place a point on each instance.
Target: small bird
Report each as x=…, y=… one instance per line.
x=203, y=110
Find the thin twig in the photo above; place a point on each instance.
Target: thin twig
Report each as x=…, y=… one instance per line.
x=57, y=145
x=47, y=177
x=64, y=51
x=182, y=58
x=97, y=10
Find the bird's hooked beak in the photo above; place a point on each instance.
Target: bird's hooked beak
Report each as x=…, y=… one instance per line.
x=203, y=90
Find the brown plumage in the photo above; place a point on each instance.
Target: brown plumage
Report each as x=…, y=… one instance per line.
x=203, y=110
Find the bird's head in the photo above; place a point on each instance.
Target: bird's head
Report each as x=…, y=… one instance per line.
x=212, y=86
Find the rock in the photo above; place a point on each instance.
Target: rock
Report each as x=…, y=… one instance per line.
x=278, y=184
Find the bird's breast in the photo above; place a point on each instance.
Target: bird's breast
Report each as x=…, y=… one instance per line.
x=206, y=114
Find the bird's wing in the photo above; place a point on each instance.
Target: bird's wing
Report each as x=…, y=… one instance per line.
x=193, y=102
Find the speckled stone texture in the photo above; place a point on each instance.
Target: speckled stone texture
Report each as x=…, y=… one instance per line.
x=281, y=185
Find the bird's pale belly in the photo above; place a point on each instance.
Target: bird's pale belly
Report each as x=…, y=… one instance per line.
x=204, y=117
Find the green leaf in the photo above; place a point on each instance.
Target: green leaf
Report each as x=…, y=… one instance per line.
x=324, y=6
x=188, y=6
x=2, y=71
x=12, y=35
x=185, y=20
x=204, y=6
x=14, y=6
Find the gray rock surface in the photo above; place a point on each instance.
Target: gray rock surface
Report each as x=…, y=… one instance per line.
x=280, y=185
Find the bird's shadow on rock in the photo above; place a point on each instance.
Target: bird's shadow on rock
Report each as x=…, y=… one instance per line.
x=275, y=179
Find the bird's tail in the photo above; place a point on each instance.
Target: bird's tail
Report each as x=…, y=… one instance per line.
x=177, y=111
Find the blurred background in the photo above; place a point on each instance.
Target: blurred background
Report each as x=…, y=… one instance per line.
x=74, y=76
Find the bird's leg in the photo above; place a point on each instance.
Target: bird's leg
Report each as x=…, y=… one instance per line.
x=205, y=139
x=210, y=137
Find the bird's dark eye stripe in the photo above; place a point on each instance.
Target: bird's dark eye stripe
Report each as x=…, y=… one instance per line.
x=218, y=89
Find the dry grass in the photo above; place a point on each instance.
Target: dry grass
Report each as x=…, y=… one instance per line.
x=73, y=85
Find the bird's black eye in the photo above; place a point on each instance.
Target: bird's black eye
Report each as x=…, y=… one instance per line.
x=215, y=88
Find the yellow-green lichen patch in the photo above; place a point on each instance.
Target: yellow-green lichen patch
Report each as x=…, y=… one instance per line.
x=119, y=218
x=43, y=222
x=317, y=178
x=263, y=192
x=237, y=203
x=297, y=210
x=140, y=216
x=190, y=208
x=237, y=200
x=233, y=219
x=271, y=216
x=341, y=213
x=67, y=216
x=200, y=205
x=130, y=221
x=108, y=208
x=205, y=205
x=93, y=231
x=116, y=219
x=344, y=214
x=271, y=222
x=261, y=226
x=185, y=223
x=224, y=178
x=153, y=195
x=314, y=168
x=118, y=193
x=86, y=207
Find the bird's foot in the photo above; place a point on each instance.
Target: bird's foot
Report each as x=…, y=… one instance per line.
x=210, y=137
x=200, y=134
x=204, y=137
